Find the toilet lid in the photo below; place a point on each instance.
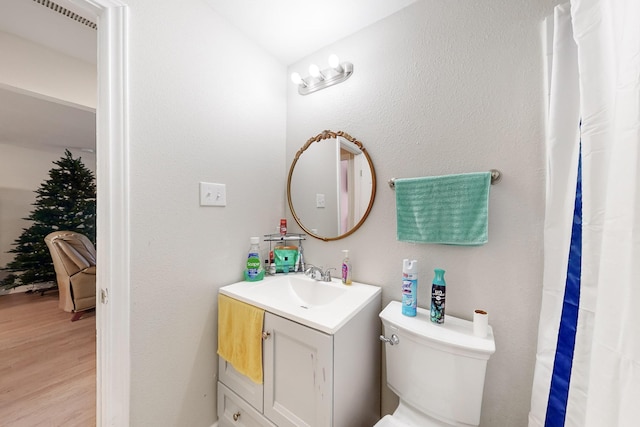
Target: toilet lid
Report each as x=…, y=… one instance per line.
x=389, y=421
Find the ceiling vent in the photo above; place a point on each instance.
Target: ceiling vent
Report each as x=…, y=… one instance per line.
x=66, y=12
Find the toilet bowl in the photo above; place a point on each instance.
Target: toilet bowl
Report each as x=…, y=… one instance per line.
x=437, y=370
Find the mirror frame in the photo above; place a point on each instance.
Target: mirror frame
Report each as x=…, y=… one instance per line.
x=327, y=134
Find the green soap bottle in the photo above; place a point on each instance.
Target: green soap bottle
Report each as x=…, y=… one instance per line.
x=253, y=271
x=438, y=294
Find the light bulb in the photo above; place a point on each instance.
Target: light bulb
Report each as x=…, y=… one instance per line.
x=296, y=79
x=314, y=70
x=334, y=61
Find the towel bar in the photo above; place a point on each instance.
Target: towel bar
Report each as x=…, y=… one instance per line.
x=495, y=177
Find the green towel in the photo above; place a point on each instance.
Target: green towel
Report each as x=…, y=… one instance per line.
x=450, y=209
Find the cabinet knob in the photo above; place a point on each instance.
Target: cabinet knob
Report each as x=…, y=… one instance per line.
x=266, y=335
x=236, y=416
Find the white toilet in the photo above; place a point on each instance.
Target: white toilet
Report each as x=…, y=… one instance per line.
x=437, y=371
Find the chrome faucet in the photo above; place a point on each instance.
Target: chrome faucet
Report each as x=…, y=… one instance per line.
x=314, y=272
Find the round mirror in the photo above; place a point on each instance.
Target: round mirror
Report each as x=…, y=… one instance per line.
x=331, y=185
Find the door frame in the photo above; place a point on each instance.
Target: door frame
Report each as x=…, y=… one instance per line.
x=113, y=232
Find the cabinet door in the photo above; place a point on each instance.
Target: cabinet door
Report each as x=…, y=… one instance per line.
x=298, y=374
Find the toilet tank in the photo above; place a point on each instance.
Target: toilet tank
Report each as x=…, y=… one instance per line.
x=439, y=369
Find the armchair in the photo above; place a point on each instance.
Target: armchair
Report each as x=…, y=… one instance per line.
x=74, y=260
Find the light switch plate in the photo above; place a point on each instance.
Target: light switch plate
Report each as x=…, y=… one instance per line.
x=320, y=202
x=212, y=194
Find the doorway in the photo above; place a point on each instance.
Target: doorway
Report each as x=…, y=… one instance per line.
x=112, y=312
x=112, y=158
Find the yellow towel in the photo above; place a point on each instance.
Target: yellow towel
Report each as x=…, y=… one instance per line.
x=240, y=336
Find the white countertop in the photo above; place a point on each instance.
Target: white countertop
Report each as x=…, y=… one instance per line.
x=277, y=294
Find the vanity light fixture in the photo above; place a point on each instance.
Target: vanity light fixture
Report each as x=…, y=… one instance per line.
x=320, y=79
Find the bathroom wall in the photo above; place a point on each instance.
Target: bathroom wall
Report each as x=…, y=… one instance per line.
x=446, y=87
x=205, y=104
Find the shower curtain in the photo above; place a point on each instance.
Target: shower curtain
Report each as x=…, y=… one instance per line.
x=588, y=360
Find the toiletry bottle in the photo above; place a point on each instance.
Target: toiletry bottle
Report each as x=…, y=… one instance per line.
x=409, y=287
x=438, y=293
x=272, y=264
x=300, y=262
x=253, y=271
x=346, y=268
x=283, y=227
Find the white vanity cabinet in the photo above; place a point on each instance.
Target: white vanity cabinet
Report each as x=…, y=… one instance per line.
x=311, y=378
x=298, y=374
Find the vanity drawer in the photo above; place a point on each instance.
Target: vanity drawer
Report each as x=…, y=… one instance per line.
x=233, y=411
x=241, y=384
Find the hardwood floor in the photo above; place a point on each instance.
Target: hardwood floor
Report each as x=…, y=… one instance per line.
x=47, y=364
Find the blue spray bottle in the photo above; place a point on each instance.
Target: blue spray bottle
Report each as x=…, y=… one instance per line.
x=409, y=287
x=438, y=294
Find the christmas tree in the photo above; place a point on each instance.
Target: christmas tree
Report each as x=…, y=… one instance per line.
x=66, y=201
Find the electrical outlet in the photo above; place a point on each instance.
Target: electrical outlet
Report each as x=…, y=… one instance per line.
x=320, y=200
x=213, y=194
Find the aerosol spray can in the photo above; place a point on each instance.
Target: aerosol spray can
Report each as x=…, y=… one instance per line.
x=409, y=287
x=438, y=294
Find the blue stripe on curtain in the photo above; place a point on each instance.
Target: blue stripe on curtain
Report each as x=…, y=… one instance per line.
x=561, y=376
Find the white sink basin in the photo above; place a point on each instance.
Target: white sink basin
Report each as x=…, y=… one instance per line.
x=298, y=290
x=308, y=292
x=325, y=306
